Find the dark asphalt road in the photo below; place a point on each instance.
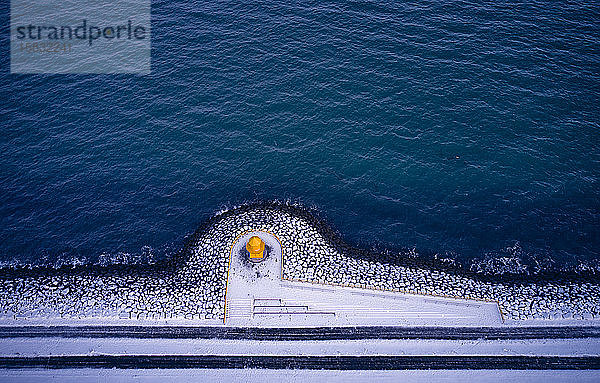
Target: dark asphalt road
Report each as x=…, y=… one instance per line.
x=320, y=333
x=306, y=362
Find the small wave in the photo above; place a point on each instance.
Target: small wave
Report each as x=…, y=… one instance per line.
x=146, y=256
x=507, y=261
x=588, y=266
x=515, y=260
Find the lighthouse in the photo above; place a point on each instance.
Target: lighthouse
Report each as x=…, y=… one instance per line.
x=256, y=249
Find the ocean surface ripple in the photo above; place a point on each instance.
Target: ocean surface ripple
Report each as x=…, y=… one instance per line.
x=463, y=129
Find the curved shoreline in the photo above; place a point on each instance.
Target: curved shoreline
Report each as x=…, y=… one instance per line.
x=191, y=284
x=401, y=257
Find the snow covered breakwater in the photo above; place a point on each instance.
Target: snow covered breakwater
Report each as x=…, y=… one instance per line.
x=192, y=284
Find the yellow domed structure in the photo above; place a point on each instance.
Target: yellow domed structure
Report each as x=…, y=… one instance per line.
x=256, y=248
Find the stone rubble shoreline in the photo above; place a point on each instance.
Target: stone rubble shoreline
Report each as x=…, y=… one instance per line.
x=191, y=284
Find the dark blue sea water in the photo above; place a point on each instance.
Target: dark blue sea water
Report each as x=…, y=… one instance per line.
x=466, y=129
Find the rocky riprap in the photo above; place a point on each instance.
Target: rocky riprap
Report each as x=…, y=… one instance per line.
x=191, y=284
